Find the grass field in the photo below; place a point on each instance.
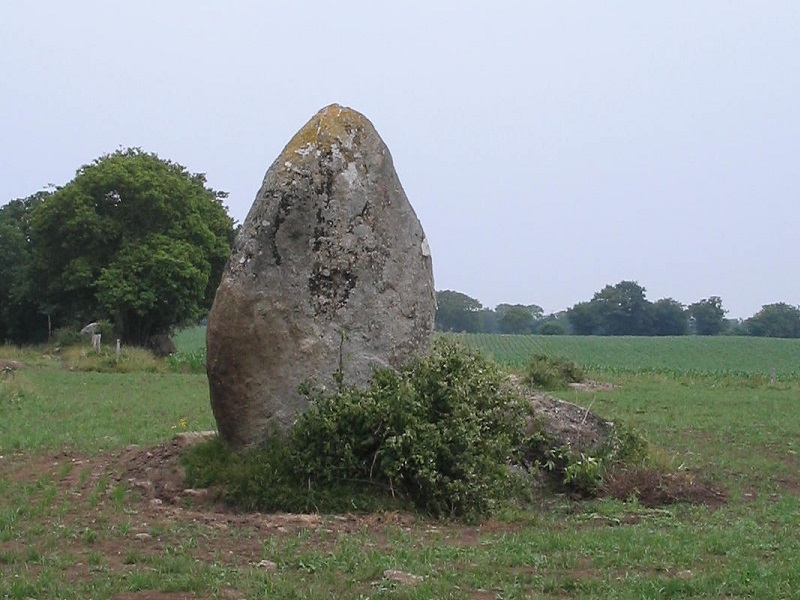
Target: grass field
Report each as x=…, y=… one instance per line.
x=70, y=527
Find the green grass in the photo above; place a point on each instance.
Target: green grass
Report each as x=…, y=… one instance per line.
x=191, y=354
x=190, y=339
x=53, y=409
x=707, y=403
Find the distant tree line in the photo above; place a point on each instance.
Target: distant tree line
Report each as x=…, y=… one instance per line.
x=133, y=240
x=621, y=309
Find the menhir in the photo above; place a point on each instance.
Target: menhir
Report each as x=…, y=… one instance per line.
x=330, y=273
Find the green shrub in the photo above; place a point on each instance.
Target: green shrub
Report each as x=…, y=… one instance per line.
x=438, y=434
x=268, y=479
x=549, y=373
x=106, y=330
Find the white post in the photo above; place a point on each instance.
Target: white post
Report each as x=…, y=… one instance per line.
x=118, y=349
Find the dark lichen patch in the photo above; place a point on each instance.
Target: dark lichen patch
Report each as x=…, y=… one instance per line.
x=285, y=205
x=330, y=288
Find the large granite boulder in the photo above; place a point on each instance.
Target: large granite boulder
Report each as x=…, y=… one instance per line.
x=331, y=270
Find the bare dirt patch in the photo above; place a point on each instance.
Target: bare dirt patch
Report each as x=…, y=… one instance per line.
x=654, y=488
x=157, y=479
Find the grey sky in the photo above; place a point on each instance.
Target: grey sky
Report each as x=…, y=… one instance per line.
x=549, y=148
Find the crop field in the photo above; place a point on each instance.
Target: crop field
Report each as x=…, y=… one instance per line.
x=91, y=504
x=720, y=355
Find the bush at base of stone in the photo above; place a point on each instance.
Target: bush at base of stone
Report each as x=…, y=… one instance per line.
x=437, y=435
x=267, y=479
x=439, y=432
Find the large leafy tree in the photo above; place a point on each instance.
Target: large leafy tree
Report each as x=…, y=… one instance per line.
x=517, y=318
x=708, y=316
x=457, y=312
x=775, y=320
x=536, y=311
x=585, y=319
x=669, y=317
x=132, y=238
x=20, y=318
x=624, y=309
x=620, y=309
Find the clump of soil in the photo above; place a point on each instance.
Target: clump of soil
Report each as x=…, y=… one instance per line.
x=568, y=424
x=156, y=472
x=654, y=488
x=9, y=366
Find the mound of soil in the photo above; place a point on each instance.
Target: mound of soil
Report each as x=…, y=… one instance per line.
x=583, y=430
x=570, y=424
x=156, y=472
x=9, y=366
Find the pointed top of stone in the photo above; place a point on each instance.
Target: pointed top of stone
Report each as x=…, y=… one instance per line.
x=332, y=124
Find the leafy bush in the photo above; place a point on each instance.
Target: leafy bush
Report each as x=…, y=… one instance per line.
x=438, y=434
x=106, y=330
x=552, y=373
x=267, y=479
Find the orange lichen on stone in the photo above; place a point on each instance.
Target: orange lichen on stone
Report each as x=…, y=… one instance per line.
x=331, y=125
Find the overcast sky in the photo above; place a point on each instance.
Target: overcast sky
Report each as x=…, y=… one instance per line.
x=548, y=148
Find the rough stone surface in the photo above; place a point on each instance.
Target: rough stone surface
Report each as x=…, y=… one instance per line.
x=331, y=268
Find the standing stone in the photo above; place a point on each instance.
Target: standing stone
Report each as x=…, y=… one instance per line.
x=330, y=270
